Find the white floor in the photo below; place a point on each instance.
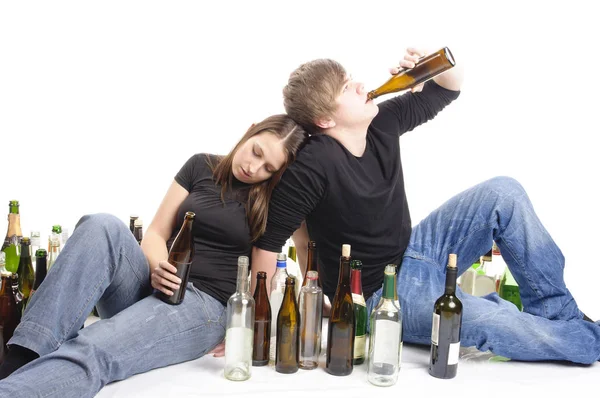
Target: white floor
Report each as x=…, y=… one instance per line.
x=479, y=375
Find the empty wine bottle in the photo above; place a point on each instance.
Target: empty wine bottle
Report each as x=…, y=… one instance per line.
x=240, y=322
x=277, y=291
x=40, y=270
x=311, y=322
x=426, y=68
x=340, y=333
x=26, y=273
x=180, y=256
x=288, y=331
x=360, y=312
x=262, y=322
x=385, y=344
x=445, y=330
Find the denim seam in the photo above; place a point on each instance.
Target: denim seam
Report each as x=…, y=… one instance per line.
x=40, y=330
x=129, y=262
x=87, y=302
x=524, y=272
x=59, y=388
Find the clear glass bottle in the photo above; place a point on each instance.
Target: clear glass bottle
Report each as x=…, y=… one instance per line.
x=277, y=291
x=240, y=323
x=311, y=321
x=385, y=344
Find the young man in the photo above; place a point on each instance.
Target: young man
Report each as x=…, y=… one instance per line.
x=347, y=185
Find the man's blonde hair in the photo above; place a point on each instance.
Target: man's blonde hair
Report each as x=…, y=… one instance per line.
x=311, y=92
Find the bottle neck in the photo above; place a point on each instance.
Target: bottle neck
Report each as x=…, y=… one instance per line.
x=389, y=287
x=41, y=264
x=311, y=260
x=6, y=287
x=25, y=251
x=344, y=278
x=14, y=225
x=261, y=289
x=312, y=283
x=13, y=209
x=356, y=281
x=450, y=287
x=289, y=294
x=242, y=279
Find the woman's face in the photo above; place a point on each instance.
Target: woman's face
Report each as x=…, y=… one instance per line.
x=258, y=158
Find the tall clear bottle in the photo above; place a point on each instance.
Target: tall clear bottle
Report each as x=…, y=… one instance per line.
x=311, y=321
x=12, y=242
x=181, y=256
x=36, y=243
x=240, y=323
x=340, y=332
x=427, y=68
x=360, y=312
x=54, y=251
x=385, y=344
x=445, y=330
x=26, y=273
x=288, y=330
x=277, y=291
x=262, y=322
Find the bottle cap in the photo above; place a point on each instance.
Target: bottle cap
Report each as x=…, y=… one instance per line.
x=243, y=260
x=133, y=216
x=356, y=264
x=452, y=260
x=312, y=275
x=390, y=269
x=41, y=253
x=138, y=222
x=346, y=250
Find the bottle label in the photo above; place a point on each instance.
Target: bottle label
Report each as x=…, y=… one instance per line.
x=359, y=346
x=435, y=329
x=386, y=346
x=453, y=352
x=359, y=299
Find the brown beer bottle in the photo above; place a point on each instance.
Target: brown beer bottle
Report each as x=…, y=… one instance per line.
x=262, y=322
x=181, y=256
x=427, y=68
x=311, y=263
x=340, y=334
x=9, y=314
x=288, y=331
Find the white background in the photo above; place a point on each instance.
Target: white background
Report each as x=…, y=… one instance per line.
x=102, y=102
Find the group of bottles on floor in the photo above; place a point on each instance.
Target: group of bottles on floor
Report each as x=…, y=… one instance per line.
x=490, y=274
x=24, y=264
x=286, y=329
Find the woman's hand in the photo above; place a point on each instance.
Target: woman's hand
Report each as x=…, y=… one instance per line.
x=163, y=278
x=219, y=350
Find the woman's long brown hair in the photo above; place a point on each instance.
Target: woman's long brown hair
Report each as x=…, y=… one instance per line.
x=257, y=207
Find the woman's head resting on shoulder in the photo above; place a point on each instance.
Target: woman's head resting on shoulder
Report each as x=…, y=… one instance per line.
x=259, y=159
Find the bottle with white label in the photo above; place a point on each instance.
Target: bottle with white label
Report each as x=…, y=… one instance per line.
x=239, y=334
x=277, y=290
x=385, y=343
x=445, y=331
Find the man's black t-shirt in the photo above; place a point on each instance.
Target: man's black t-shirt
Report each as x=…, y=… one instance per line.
x=356, y=200
x=221, y=231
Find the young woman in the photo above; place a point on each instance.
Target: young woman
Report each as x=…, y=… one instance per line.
x=103, y=265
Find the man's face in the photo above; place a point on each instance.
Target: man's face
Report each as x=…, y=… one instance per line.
x=353, y=108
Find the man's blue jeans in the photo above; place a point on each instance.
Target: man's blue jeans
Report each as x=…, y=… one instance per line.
x=550, y=327
x=102, y=263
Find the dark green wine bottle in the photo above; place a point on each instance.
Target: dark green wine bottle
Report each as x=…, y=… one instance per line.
x=445, y=331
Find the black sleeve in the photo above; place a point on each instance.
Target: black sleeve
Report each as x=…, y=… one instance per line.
x=299, y=191
x=190, y=171
x=405, y=112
